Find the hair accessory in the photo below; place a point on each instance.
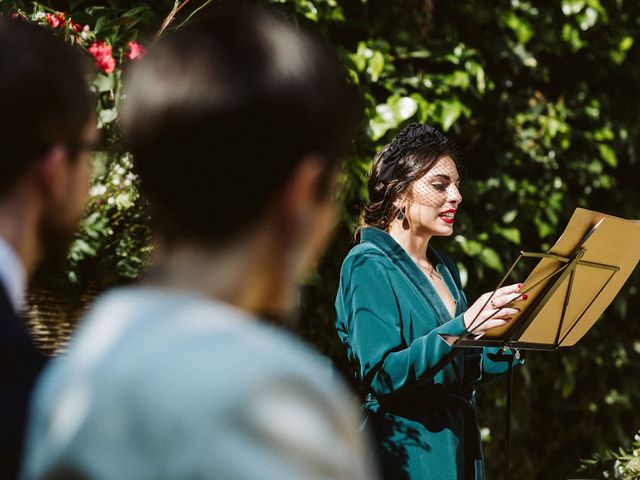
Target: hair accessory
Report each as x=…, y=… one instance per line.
x=414, y=137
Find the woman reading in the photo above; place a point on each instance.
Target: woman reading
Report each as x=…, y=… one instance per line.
x=397, y=294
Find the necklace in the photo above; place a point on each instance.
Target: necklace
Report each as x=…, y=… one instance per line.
x=431, y=272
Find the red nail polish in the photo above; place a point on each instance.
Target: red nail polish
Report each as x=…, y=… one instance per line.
x=525, y=296
x=519, y=285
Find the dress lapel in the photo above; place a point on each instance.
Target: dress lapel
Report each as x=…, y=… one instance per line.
x=412, y=273
x=414, y=277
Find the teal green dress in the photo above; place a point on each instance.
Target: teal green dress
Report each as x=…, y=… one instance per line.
x=421, y=400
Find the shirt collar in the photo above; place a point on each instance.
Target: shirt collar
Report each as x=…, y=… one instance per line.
x=13, y=276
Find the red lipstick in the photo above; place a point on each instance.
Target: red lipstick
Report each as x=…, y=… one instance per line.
x=448, y=216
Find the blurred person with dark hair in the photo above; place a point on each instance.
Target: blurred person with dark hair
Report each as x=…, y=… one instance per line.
x=397, y=294
x=46, y=130
x=236, y=124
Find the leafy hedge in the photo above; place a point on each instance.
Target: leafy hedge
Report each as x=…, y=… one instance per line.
x=542, y=97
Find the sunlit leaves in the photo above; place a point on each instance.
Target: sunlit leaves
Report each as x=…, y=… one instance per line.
x=448, y=112
x=520, y=26
x=391, y=114
x=107, y=115
x=511, y=234
x=543, y=102
x=618, y=55
x=608, y=154
x=104, y=82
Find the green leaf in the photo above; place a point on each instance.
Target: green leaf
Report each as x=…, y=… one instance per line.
x=423, y=53
x=134, y=12
x=104, y=82
x=511, y=234
x=425, y=109
x=572, y=37
x=571, y=7
x=359, y=58
x=451, y=111
x=608, y=155
x=100, y=23
x=406, y=107
x=470, y=247
x=544, y=228
x=491, y=259
x=107, y=116
x=510, y=216
x=519, y=26
x=626, y=43
x=376, y=66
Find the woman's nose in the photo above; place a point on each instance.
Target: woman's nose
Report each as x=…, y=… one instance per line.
x=454, y=195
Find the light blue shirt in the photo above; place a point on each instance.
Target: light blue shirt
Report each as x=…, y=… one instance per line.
x=161, y=384
x=13, y=277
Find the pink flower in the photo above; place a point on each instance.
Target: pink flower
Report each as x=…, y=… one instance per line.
x=55, y=20
x=104, y=56
x=136, y=51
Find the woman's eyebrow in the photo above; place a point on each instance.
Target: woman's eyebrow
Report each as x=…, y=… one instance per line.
x=441, y=175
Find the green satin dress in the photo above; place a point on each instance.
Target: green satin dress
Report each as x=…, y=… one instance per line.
x=422, y=392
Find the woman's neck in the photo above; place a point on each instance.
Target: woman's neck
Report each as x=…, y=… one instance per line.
x=415, y=245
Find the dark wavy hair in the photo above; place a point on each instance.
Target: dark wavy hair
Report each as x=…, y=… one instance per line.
x=411, y=154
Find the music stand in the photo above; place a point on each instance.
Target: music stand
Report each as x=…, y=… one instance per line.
x=569, y=289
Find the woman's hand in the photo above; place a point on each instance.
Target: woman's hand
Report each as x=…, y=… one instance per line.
x=489, y=310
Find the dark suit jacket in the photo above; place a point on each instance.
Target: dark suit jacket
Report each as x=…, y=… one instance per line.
x=20, y=363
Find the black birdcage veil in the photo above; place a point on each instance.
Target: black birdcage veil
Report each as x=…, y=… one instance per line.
x=438, y=186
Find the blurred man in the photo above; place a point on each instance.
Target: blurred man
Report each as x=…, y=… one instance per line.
x=46, y=125
x=236, y=125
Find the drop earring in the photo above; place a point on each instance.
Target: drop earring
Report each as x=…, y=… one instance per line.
x=400, y=215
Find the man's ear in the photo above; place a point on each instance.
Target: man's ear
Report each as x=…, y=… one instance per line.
x=52, y=173
x=300, y=196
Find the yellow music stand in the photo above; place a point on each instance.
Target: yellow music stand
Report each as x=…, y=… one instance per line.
x=568, y=290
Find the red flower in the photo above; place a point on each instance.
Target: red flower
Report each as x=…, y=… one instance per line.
x=136, y=51
x=55, y=20
x=104, y=56
x=76, y=27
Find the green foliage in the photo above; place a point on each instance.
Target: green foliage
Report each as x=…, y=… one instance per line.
x=619, y=464
x=112, y=244
x=113, y=241
x=542, y=99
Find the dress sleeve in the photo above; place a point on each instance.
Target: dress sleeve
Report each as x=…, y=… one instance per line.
x=369, y=322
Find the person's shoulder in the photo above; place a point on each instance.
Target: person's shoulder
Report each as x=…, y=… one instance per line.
x=273, y=352
x=364, y=254
x=184, y=354
x=199, y=344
